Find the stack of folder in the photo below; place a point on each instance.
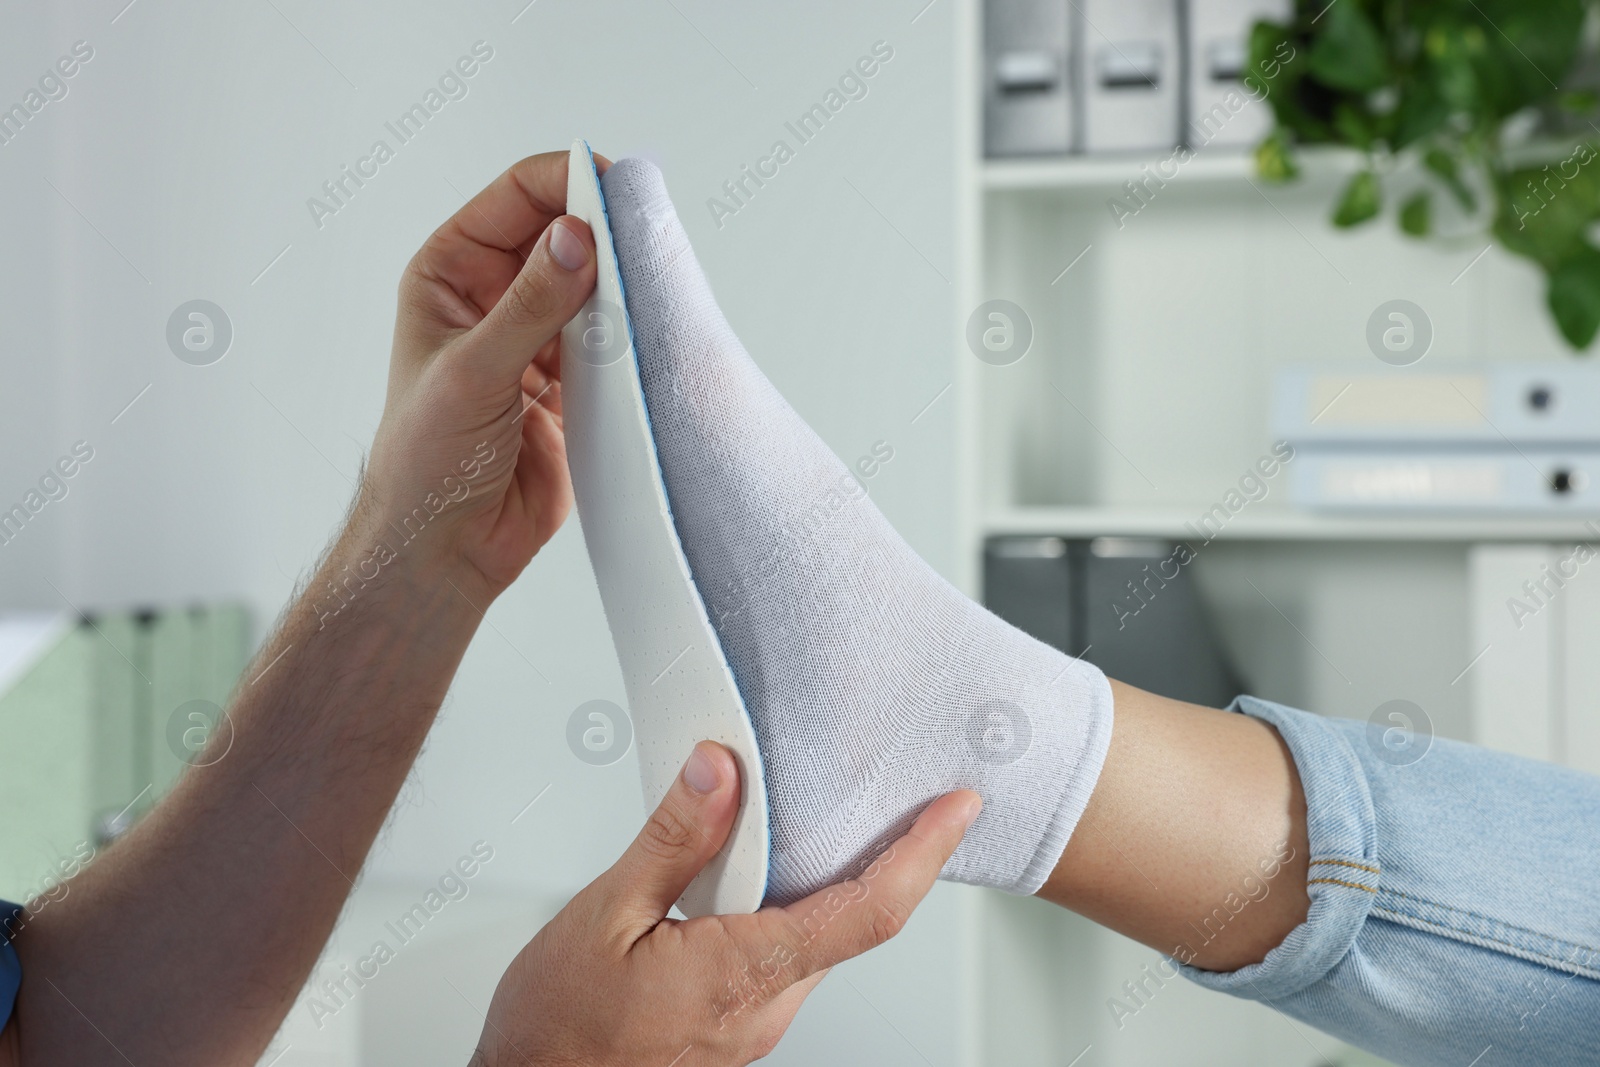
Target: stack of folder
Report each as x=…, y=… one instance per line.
x=1114, y=76
x=1511, y=438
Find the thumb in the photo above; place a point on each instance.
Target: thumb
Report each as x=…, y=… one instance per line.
x=682, y=835
x=549, y=289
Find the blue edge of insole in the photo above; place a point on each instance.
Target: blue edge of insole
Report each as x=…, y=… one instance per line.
x=666, y=495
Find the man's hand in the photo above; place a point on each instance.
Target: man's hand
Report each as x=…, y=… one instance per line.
x=469, y=462
x=611, y=980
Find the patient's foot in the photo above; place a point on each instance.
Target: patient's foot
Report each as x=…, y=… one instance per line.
x=874, y=685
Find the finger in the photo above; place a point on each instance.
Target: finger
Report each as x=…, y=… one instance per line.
x=515, y=207
x=845, y=920
x=546, y=365
x=546, y=293
x=549, y=358
x=480, y=249
x=541, y=379
x=547, y=398
x=680, y=838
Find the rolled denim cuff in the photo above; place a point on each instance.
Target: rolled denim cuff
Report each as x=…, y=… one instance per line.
x=1344, y=870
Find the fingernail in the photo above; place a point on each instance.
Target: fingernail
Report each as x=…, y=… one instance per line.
x=700, y=773
x=566, y=248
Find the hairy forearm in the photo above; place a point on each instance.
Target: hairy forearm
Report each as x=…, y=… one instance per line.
x=187, y=941
x=1198, y=814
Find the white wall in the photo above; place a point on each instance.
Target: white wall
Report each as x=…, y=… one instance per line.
x=33, y=396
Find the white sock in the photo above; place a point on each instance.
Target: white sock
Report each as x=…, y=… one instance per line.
x=874, y=685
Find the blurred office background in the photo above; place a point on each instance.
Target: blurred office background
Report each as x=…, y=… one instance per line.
x=1145, y=365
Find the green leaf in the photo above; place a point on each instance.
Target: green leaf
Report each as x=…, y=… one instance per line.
x=1545, y=212
x=1416, y=214
x=1526, y=50
x=1450, y=51
x=1278, y=70
x=1271, y=55
x=1421, y=111
x=1574, y=297
x=1578, y=101
x=1353, y=126
x=1348, y=53
x=1360, y=202
x=1448, y=170
x=1275, y=159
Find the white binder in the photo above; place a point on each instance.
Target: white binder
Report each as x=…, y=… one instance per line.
x=1131, y=85
x=1520, y=402
x=1222, y=112
x=1028, y=100
x=1443, y=480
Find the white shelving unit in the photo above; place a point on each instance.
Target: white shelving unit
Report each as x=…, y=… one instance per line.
x=1283, y=524
x=1142, y=400
x=1108, y=173
x=1089, y=172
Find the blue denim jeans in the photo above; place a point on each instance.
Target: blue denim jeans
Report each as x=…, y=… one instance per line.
x=1455, y=902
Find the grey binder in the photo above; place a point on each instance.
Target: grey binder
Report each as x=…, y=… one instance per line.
x=1122, y=604
x=1222, y=112
x=1028, y=97
x=1132, y=86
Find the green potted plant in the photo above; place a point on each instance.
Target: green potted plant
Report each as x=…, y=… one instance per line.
x=1487, y=99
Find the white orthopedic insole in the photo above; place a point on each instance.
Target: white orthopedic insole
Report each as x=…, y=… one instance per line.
x=680, y=688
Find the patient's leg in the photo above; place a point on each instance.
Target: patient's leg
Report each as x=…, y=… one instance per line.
x=1432, y=904
x=1194, y=841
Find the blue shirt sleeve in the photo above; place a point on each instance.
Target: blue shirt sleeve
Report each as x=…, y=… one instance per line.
x=10, y=966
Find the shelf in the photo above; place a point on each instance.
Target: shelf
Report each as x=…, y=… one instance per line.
x=1093, y=172
x=1283, y=524
x=1229, y=164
